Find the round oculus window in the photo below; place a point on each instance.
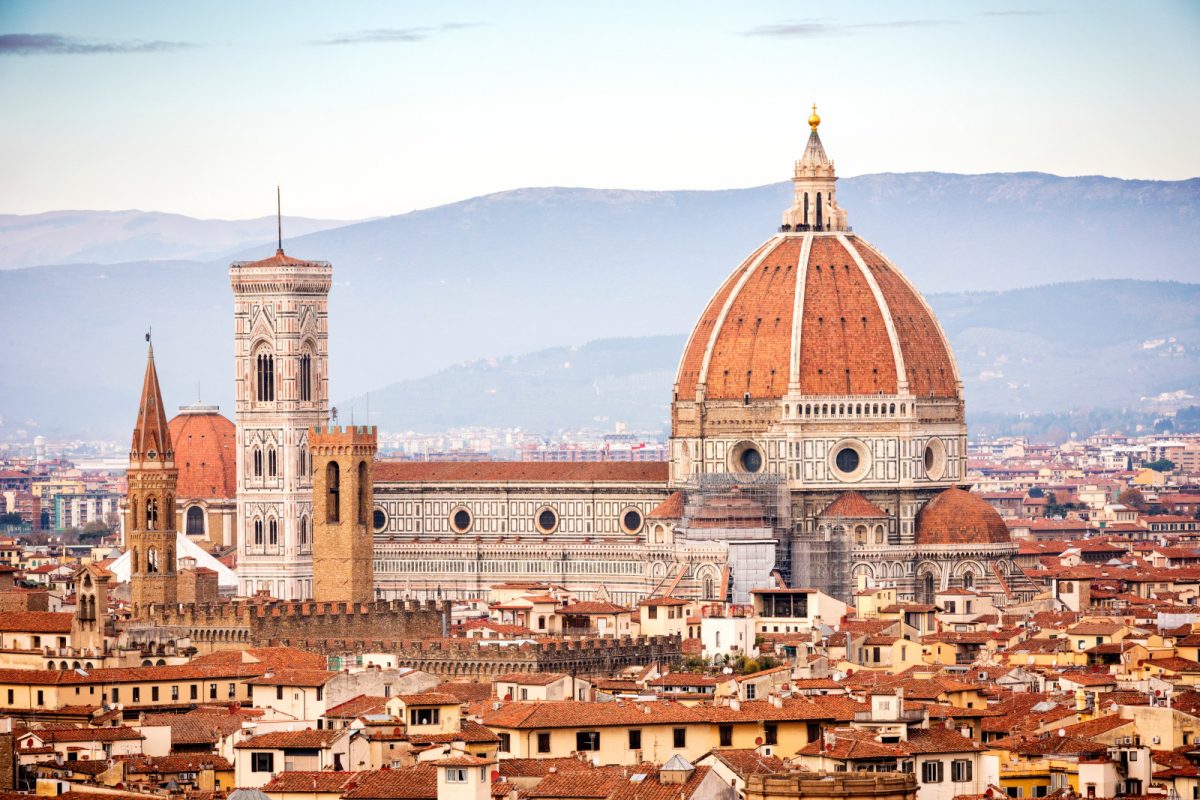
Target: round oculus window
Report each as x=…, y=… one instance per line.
x=847, y=459
x=461, y=520
x=379, y=519
x=751, y=460
x=547, y=520
x=631, y=520
x=935, y=459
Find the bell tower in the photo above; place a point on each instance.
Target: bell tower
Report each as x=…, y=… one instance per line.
x=343, y=506
x=150, y=521
x=282, y=390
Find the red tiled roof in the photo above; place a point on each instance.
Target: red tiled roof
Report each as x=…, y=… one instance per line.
x=294, y=677
x=286, y=740
x=853, y=505
x=36, y=622
x=280, y=259
x=358, y=706
x=671, y=508
x=565, y=714
x=315, y=782
x=655, y=472
x=205, y=455
x=593, y=607
x=413, y=783
x=958, y=517
x=530, y=678
x=429, y=699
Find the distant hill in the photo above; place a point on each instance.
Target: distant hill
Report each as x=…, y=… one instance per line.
x=520, y=271
x=113, y=237
x=1028, y=350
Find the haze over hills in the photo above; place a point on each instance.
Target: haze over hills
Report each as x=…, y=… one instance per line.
x=111, y=237
x=521, y=271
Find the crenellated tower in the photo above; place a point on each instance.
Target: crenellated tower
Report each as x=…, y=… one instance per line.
x=343, y=491
x=282, y=389
x=150, y=521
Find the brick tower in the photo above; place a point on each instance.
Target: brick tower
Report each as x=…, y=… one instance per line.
x=150, y=521
x=343, y=544
x=282, y=389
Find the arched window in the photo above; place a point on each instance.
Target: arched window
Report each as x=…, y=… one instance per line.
x=303, y=471
x=305, y=378
x=195, y=521
x=265, y=377
x=258, y=533
x=152, y=514
x=878, y=534
x=272, y=463
x=363, y=500
x=710, y=591
x=151, y=560
x=968, y=580
x=333, y=478
x=820, y=224
x=303, y=533
x=927, y=588
x=257, y=463
x=273, y=532
x=860, y=535
x=806, y=208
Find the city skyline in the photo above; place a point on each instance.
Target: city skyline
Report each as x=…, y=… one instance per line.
x=376, y=109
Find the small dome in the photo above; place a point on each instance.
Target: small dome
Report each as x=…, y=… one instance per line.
x=958, y=517
x=205, y=453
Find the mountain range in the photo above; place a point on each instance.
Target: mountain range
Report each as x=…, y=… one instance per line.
x=531, y=269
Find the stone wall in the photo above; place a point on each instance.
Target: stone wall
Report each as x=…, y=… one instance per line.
x=17, y=600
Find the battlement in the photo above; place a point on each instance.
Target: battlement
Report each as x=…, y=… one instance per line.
x=342, y=436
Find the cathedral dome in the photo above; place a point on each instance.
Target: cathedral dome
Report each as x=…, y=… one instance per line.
x=205, y=453
x=816, y=314
x=958, y=517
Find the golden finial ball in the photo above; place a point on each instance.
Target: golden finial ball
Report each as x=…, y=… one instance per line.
x=814, y=120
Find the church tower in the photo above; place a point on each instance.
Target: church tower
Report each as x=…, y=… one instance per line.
x=343, y=491
x=282, y=390
x=150, y=524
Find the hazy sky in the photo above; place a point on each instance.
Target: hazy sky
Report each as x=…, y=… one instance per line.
x=365, y=109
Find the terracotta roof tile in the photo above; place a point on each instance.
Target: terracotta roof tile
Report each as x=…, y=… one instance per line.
x=655, y=472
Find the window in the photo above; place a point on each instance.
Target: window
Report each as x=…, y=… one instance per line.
x=320, y=692
x=587, y=740
x=423, y=716
x=505, y=743
x=265, y=377
x=931, y=772
x=543, y=742
x=258, y=532
x=304, y=533
x=726, y=735
x=273, y=532
x=195, y=521
x=272, y=463
x=847, y=459
x=278, y=692
x=41, y=701
x=813, y=731
x=547, y=520
x=524, y=693
x=174, y=693
x=194, y=693
x=258, y=463
x=679, y=737
x=262, y=762
x=751, y=691
x=305, y=377
x=333, y=479
x=363, y=487
x=212, y=691
x=960, y=770
x=770, y=733
x=635, y=739
x=153, y=694
x=456, y=775
x=137, y=694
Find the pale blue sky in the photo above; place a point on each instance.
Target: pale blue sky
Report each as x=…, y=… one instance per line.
x=364, y=109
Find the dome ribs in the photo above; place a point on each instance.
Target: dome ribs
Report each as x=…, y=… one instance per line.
x=752, y=350
x=930, y=365
x=840, y=352
x=690, y=365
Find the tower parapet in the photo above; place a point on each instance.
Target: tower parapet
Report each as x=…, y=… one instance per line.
x=343, y=555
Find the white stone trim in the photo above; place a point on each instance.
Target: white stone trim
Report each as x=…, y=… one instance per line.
x=888, y=322
x=798, y=313
x=747, y=271
x=929, y=311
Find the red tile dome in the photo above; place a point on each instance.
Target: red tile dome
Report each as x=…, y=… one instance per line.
x=824, y=313
x=957, y=517
x=205, y=453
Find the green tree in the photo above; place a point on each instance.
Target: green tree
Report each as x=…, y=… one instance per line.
x=1162, y=465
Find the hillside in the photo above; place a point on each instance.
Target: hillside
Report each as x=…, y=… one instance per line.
x=1026, y=350
x=521, y=271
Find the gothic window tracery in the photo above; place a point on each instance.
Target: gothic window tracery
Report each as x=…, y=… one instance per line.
x=258, y=533
x=273, y=532
x=152, y=514
x=265, y=377
x=151, y=559
x=306, y=377
x=272, y=463
x=258, y=463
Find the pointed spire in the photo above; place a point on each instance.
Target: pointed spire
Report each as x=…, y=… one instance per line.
x=813, y=206
x=150, y=433
x=814, y=153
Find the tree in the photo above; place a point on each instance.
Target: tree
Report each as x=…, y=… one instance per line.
x=1132, y=498
x=10, y=518
x=1162, y=465
x=1036, y=491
